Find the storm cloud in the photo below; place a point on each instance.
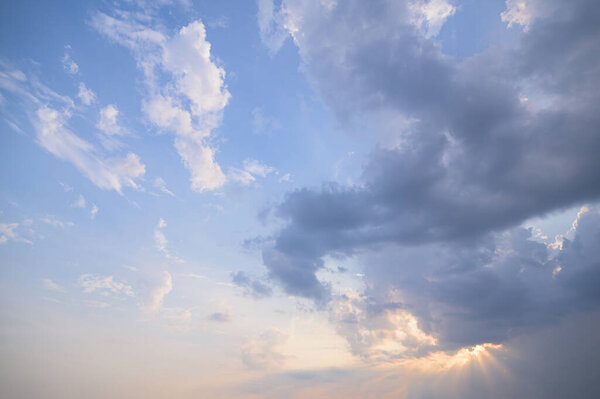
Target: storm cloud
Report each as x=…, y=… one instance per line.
x=467, y=150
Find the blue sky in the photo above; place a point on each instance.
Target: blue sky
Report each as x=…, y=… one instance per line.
x=299, y=198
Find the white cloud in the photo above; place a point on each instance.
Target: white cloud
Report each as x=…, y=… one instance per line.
x=264, y=351
x=257, y=168
x=431, y=15
x=262, y=123
x=69, y=65
x=106, y=285
x=87, y=96
x=287, y=177
x=271, y=25
x=8, y=233
x=161, y=241
x=106, y=173
x=108, y=121
x=155, y=298
x=160, y=183
x=243, y=177
x=80, y=203
x=252, y=170
x=56, y=223
x=518, y=12
x=65, y=187
x=94, y=211
x=51, y=285
x=190, y=104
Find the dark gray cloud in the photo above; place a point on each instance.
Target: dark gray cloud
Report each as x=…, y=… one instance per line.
x=252, y=287
x=469, y=149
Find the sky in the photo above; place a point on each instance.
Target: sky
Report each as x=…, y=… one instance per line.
x=299, y=198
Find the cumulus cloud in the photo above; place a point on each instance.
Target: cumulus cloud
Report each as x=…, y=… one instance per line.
x=431, y=14
x=434, y=217
x=190, y=105
x=108, y=121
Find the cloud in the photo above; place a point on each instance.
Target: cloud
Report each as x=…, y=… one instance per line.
x=87, y=96
x=262, y=123
x=162, y=186
x=161, y=241
x=53, y=135
x=264, y=351
x=431, y=14
x=94, y=211
x=106, y=285
x=271, y=25
x=57, y=223
x=252, y=169
x=49, y=113
x=191, y=103
x=285, y=178
x=80, y=203
x=252, y=287
x=8, y=232
x=69, y=65
x=51, y=285
x=220, y=317
x=460, y=162
x=108, y=121
x=154, y=299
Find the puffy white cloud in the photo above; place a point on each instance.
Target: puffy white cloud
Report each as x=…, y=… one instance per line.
x=520, y=12
x=431, y=14
x=108, y=121
x=191, y=103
